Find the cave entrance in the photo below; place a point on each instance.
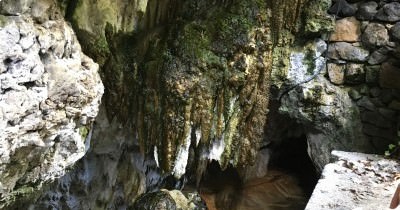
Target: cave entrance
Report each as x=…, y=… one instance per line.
x=220, y=189
x=290, y=156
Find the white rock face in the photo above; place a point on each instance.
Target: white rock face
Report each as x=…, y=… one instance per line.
x=356, y=181
x=49, y=96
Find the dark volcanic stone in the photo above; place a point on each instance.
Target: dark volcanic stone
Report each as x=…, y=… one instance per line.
x=389, y=12
x=342, y=9
x=367, y=11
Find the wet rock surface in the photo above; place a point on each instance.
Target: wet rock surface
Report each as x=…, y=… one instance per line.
x=356, y=181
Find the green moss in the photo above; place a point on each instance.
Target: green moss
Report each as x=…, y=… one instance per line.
x=83, y=132
x=20, y=197
x=317, y=18
x=309, y=60
x=3, y=21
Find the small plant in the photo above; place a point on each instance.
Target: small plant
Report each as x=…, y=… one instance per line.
x=393, y=150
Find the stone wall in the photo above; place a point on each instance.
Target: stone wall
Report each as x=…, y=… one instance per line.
x=364, y=57
x=343, y=88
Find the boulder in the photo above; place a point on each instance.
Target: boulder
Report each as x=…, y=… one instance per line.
x=346, y=30
x=367, y=10
x=355, y=181
x=389, y=12
x=347, y=51
x=375, y=35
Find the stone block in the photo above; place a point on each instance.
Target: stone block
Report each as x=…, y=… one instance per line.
x=354, y=94
x=389, y=76
x=346, y=30
x=354, y=73
x=395, y=31
x=336, y=73
x=347, y=51
x=366, y=103
x=379, y=56
x=375, y=35
x=372, y=74
x=367, y=11
x=389, y=12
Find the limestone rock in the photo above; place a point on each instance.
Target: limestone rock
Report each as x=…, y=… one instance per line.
x=367, y=10
x=12, y=7
x=395, y=31
x=346, y=30
x=355, y=181
x=347, y=51
x=375, y=35
x=336, y=73
x=355, y=73
x=50, y=93
x=389, y=12
x=389, y=76
x=328, y=108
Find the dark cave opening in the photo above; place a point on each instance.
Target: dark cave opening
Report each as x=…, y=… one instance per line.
x=291, y=156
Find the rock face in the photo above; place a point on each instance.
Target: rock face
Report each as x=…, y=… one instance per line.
x=355, y=181
x=187, y=82
x=50, y=94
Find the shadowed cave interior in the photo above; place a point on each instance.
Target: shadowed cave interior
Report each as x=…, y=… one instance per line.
x=288, y=184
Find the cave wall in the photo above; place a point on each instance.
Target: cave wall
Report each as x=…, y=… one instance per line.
x=187, y=82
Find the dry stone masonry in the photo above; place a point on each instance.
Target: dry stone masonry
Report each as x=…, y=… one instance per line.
x=364, y=58
x=347, y=92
